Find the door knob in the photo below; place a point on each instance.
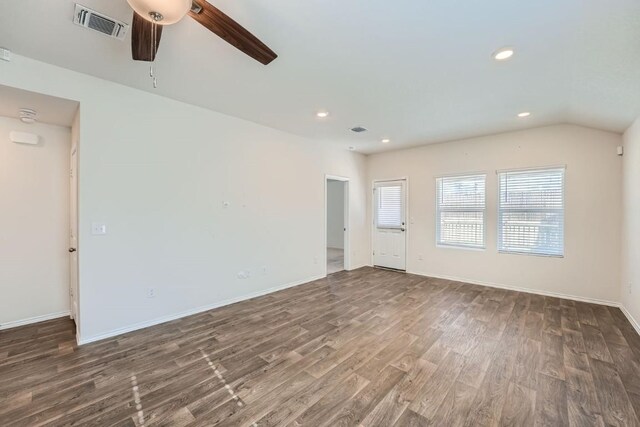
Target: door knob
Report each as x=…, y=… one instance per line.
x=72, y=249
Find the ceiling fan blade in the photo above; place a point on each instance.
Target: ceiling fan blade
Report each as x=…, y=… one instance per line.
x=230, y=31
x=142, y=47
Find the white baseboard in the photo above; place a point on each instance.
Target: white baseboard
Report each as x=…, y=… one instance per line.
x=190, y=312
x=35, y=319
x=630, y=318
x=351, y=268
x=521, y=289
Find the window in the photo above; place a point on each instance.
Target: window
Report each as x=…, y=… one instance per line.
x=460, y=210
x=389, y=200
x=531, y=212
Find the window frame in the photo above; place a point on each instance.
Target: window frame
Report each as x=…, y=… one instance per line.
x=377, y=185
x=438, y=211
x=562, y=168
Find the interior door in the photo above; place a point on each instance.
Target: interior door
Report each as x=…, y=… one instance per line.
x=73, y=234
x=389, y=249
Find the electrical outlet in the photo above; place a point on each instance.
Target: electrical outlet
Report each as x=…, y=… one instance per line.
x=244, y=274
x=420, y=257
x=630, y=287
x=151, y=292
x=315, y=260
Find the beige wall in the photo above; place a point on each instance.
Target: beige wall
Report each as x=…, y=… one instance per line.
x=590, y=268
x=34, y=223
x=191, y=198
x=630, y=289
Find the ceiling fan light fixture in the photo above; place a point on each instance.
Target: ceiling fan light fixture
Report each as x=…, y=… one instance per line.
x=163, y=12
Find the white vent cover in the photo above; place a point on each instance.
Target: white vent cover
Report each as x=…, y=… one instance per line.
x=93, y=20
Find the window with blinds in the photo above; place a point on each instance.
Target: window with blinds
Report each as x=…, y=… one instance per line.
x=389, y=206
x=460, y=209
x=531, y=212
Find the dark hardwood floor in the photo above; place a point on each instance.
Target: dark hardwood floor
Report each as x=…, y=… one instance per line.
x=367, y=347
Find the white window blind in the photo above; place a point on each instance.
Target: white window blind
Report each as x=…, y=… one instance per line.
x=531, y=212
x=460, y=208
x=389, y=209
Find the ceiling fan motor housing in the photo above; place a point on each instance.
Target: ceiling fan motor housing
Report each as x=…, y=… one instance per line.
x=164, y=12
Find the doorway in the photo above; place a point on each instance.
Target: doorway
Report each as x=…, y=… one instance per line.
x=337, y=215
x=36, y=157
x=389, y=225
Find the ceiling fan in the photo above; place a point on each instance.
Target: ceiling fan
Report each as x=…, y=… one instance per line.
x=149, y=16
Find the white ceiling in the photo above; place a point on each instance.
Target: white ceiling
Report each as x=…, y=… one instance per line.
x=49, y=109
x=415, y=71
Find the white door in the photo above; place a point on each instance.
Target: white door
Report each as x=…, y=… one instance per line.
x=389, y=235
x=73, y=235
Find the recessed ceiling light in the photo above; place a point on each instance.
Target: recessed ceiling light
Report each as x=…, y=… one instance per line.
x=386, y=140
x=322, y=114
x=503, y=54
x=524, y=114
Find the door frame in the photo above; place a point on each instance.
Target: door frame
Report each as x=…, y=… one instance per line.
x=407, y=219
x=347, y=232
x=73, y=191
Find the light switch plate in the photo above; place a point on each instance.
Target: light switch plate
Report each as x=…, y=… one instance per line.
x=5, y=54
x=98, y=228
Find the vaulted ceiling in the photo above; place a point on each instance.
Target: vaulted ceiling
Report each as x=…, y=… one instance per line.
x=414, y=71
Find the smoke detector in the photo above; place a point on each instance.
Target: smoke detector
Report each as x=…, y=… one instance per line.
x=28, y=115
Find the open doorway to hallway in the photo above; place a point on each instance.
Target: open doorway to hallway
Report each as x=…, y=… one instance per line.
x=38, y=146
x=337, y=220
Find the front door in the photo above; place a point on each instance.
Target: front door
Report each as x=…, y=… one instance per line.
x=389, y=240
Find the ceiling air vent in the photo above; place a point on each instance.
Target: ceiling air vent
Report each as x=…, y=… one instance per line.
x=358, y=129
x=101, y=23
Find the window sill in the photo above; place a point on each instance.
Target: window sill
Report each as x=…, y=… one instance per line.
x=467, y=248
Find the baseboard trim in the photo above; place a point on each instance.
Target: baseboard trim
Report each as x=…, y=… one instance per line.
x=35, y=319
x=356, y=267
x=522, y=289
x=190, y=312
x=630, y=318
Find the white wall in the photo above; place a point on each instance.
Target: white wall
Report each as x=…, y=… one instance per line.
x=590, y=268
x=630, y=289
x=34, y=223
x=335, y=214
x=158, y=172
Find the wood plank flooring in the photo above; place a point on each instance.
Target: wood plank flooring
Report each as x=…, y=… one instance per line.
x=361, y=348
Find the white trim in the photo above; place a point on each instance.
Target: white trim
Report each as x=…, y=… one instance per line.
x=522, y=289
x=359, y=266
x=407, y=219
x=170, y=317
x=630, y=318
x=35, y=319
x=531, y=168
x=346, y=243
